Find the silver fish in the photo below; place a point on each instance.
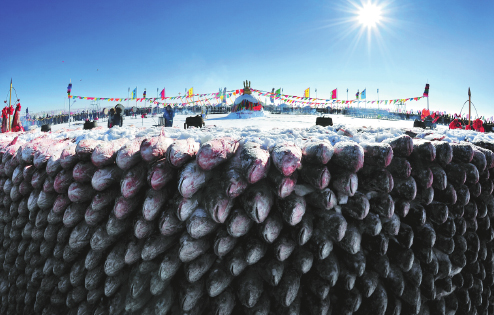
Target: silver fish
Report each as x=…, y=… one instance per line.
x=181, y=151
x=191, y=248
x=257, y=201
x=133, y=181
x=48, y=184
x=155, y=245
x=85, y=148
x=105, y=153
x=68, y=157
x=115, y=260
x=238, y=223
x=200, y=224
x=83, y=171
x=169, y=224
x=80, y=236
x=160, y=174
x=106, y=177
x=143, y=228
x=62, y=181
x=74, y=214
x=195, y=269
x=319, y=152
x=153, y=203
x=155, y=148
x=287, y=158
x=191, y=179
x=214, y=152
x=170, y=264
x=80, y=192
x=129, y=154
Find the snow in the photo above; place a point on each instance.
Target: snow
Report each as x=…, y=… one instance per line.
x=245, y=114
x=267, y=130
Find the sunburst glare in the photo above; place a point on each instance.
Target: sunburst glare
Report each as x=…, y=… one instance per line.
x=369, y=15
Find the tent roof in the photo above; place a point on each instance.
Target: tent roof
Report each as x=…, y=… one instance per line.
x=246, y=97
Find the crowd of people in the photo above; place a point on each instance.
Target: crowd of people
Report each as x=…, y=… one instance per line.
x=115, y=116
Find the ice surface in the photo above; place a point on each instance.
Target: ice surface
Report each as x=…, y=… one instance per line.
x=267, y=130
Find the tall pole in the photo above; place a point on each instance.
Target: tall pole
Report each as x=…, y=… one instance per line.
x=68, y=92
x=428, y=96
x=10, y=100
x=469, y=106
x=347, y=95
x=377, y=99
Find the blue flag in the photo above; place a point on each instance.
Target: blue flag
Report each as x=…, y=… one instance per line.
x=362, y=95
x=134, y=93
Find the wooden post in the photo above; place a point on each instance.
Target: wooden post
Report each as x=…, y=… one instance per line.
x=469, y=106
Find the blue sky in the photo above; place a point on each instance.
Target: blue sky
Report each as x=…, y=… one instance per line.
x=105, y=47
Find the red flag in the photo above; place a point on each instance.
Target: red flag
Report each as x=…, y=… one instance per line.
x=163, y=93
x=334, y=94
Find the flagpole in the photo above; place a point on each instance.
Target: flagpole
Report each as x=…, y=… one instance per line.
x=428, y=97
x=378, y=100
x=469, y=106
x=10, y=100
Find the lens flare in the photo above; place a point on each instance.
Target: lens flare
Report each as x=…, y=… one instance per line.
x=369, y=15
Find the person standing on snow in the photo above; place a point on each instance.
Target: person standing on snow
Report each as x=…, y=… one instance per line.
x=168, y=115
x=117, y=118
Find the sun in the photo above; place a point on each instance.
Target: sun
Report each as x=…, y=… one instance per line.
x=369, y=15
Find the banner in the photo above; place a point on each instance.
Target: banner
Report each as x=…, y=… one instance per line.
x=334, y=94
x=356, y=95
x=214, y=98
x=426, y=92
x=190, y=92
x=163, y=94
x=307, y=93
x=362, y=95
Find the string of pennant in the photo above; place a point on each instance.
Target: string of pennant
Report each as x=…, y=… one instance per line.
x=203, y=98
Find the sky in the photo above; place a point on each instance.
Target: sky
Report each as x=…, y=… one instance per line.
x=106, y=47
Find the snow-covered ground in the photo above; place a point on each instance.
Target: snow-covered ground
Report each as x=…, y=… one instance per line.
x=267, y=130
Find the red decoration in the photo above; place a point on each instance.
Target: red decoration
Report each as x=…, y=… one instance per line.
x=455, y=124
x=16, y=122
x=477, y=125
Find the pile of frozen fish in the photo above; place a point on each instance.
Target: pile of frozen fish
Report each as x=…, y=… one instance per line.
x=162, y=226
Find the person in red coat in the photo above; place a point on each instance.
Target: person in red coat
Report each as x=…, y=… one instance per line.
x=16, y=122
x=5, y=120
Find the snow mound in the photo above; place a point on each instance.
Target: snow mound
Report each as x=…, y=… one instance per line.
x=246, y=114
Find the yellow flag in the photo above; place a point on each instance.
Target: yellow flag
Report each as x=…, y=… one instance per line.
x=191, y=92
x=307, y=92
